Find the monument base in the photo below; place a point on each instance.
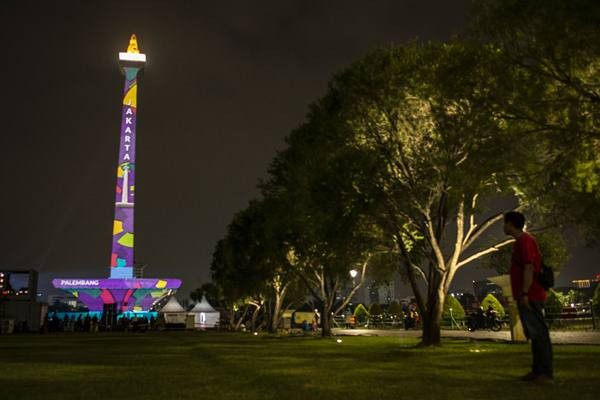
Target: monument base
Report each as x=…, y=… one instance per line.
x=128, y=294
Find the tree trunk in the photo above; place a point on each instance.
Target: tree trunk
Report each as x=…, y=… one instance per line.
x=276, y=313
x=432, y=318
x=326, y=321
x=238, y=323
x=231, y=318
x=254, y=315
x=328, y=294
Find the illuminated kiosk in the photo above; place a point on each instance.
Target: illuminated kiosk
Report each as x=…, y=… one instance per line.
x=122, y=289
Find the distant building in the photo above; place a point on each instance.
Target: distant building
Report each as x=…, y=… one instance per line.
x=19, y=309
x=586, y=283
x=64, y=302
x=380, y=292
x=582, y=283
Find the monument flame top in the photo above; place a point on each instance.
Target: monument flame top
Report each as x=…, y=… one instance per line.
x=133, y=47
x=133, y=57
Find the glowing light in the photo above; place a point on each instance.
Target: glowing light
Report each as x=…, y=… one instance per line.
x=353, y=273
x=133, y=53
x=255, y=333
x=132, y=57
x=133, y=47
x=339, y=340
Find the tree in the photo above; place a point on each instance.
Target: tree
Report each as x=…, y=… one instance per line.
x=430, y=150
x=328, y=224
x=491, y=300
x=211, y=291
x=458, y=312
x=250, y=266
x=550, y=54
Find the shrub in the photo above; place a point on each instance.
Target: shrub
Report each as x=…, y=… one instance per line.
x=395, y=309
x=361, y=313
x=554, y=304
x=491, y=300
x=375, y=309
x=458, y=312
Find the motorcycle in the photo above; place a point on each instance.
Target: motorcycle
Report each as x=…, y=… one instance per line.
x=480, y=320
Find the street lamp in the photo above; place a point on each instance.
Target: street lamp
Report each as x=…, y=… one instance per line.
x=353, y=274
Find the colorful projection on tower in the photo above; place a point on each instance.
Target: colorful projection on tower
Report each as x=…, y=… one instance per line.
x=122, y=260
x=122, y=289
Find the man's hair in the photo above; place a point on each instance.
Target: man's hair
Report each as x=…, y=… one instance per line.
x=515, y=218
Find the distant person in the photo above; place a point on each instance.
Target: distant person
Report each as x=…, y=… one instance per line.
x=525, y=266
x=314, y=325
x=305, y=326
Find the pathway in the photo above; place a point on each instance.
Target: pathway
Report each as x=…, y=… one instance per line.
x=558, y=337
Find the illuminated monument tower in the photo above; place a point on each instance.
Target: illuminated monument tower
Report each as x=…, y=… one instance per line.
x=121, y=261
x=122, y=289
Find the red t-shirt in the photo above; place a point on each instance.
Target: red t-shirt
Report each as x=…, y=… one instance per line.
x=526, y=251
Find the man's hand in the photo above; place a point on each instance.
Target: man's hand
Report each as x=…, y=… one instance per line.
x=524, y=301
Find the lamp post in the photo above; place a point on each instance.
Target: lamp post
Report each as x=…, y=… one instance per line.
x=353, y=274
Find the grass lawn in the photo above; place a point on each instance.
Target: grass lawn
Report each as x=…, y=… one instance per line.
x=197, y=365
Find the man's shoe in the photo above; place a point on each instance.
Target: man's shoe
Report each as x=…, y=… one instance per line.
x=543, y=380
x=528, y=377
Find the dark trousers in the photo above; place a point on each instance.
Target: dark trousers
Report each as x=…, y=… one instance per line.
x=536, y=330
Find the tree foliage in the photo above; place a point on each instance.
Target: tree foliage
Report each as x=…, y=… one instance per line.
x=212, y=293
x=392, y=165
x=554, y=304
x=550, y=53
x=430, y=149
x=329, y=226
x=251, y=264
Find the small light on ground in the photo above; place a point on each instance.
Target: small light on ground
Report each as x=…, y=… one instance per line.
x=339, y=340
x=255, y=333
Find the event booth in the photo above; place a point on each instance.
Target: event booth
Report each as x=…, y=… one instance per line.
x=205, y=316
x=173, y=312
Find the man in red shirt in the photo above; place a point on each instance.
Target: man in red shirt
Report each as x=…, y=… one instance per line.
x=525, y=267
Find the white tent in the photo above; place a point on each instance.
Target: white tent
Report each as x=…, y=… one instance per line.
x=173, y=312
x=205, y=316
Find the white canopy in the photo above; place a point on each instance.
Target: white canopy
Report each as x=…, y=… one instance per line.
x=172, y=306
x=203, y=306
x=205, y=316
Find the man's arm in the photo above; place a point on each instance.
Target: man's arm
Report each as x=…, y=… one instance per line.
x=527, y=281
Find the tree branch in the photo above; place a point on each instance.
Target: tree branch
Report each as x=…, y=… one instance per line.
x=475, y=233
x=484, y=252
x=435, y=246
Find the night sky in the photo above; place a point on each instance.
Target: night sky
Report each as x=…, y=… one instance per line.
x=223, y=86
